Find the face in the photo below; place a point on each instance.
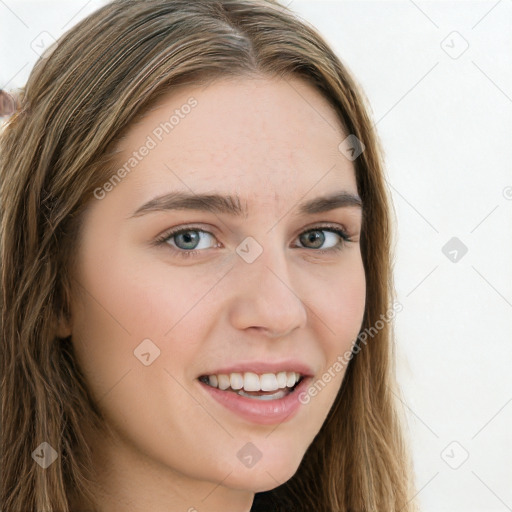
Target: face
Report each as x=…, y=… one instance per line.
x=259, y=286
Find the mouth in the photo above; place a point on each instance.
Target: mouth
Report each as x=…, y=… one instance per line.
x=265, y=386
x=264, y=399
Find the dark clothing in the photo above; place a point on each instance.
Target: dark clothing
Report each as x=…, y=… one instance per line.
x=269, y=502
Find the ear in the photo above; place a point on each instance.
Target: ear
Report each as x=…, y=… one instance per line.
x=62, y=327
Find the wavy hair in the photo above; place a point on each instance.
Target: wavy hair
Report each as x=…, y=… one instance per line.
x=81, y=97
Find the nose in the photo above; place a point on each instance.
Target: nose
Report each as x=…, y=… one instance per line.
x=266, y=299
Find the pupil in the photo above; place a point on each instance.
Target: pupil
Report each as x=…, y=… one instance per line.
x=190, y=237
x=316, y=237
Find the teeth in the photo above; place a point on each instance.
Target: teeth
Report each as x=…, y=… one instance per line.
x=282, y=380
x=290, y=378
x=253, y=382
x=236, y=380
x=275, y=396
x=222, y=379
x=268, y=382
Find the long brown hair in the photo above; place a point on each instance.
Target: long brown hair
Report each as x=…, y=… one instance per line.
x=59, y=147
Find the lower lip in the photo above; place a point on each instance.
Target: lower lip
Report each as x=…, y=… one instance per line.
x=262, y=412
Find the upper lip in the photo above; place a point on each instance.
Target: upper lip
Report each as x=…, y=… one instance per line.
x=261, y=367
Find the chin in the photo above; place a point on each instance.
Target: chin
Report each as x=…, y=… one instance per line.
x=265, y=475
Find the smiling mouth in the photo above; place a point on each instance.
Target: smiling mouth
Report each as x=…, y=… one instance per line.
x=267, y=386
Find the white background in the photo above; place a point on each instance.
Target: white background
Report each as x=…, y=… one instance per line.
x=444, y=116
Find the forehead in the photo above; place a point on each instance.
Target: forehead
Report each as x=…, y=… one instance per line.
x=261, y=137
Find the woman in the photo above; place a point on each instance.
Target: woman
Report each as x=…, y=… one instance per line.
x=195, y=245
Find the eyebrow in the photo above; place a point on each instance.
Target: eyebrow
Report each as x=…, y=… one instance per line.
x=231, y=205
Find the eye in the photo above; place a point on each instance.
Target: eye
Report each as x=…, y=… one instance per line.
x=189, y=241
x=185, y=240
x=317, y=237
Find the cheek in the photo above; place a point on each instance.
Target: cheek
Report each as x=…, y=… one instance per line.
x=124, y=300
x=339, y=300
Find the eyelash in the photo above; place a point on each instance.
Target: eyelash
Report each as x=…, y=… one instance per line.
x=163, y=239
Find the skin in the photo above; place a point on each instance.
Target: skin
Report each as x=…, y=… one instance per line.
x=172, y=447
